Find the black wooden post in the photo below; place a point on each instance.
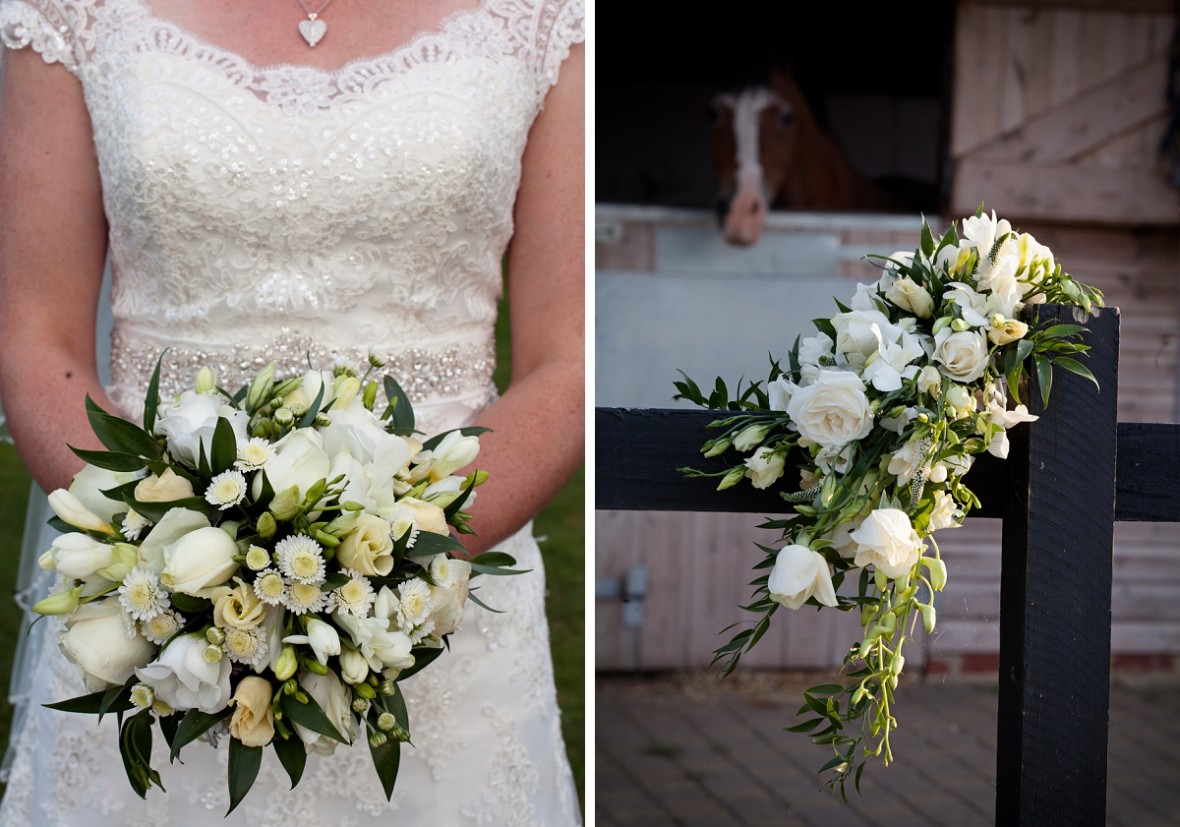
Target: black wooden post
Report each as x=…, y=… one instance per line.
x=1055, y=598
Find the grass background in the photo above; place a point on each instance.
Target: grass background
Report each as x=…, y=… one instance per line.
x=561, y=524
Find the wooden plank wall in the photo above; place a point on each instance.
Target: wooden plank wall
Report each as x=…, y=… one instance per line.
x=1058, y=111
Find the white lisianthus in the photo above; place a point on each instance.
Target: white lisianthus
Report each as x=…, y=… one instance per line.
x=800, y=573
x=833, y=410
x=165, y=488
x=911, y=297
x=192, y=419
x=424, y=516
x=780, y=391
x=764, y=467
x=184, y=679
x=982, y=231
x=885, y=369
x=946, y=512
x=859, y=334
x=907, y=461
x=1004, y=331
x=815, y=350
x=94, y=640
x=199, y=560
x=963, y=355
x=887, y=541
x=973, y=305
x=929, y=380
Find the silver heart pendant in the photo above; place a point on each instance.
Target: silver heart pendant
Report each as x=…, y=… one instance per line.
x=313, y=31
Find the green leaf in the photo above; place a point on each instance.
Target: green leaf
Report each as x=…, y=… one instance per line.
x=292, y=755
x=135, y=745
x=400, y=410
x=470, y=430
x=110, y=460
x=121, y=436
x=190, y=604
x=429, y=544
x=827, y=689
x=90, y=704
x=397, y=705
x=1044, y=377
x=193, y=725
x=310, y=716
x=151, y=402
x=155, y=511
x=806, y=726
x=386, y=760
x=168, y=726
x=474, y=599
x=115, y=695
x=225, y=447
x=244, y=763
x=1076, y=367
x=1058, y=331
x=308, y=418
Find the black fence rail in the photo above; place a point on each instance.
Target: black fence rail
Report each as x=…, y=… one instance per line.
x=1067, y=479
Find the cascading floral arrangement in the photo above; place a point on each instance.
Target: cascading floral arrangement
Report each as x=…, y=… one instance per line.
x=884, y=410
x=265, y=565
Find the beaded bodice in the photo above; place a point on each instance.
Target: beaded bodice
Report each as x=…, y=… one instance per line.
x=286, y=211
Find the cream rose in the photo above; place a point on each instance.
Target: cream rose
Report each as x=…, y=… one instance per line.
x=800, y=573
x=1004, y=331
x=426, y=516
x=238, y=607
x=368, y=547
x=95, y=642
x=253, y=721
x=963, y=355
x=833, y=410
x=165, y=488
x=199, y=560
x=909, y=295
x=886, y=540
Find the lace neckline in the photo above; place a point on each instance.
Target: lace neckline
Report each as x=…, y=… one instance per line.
x=364, y=65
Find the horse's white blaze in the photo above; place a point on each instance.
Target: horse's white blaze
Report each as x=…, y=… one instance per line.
x=747, y=116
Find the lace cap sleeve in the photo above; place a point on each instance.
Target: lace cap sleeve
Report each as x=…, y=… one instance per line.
x=562, y=24
x=54, y=28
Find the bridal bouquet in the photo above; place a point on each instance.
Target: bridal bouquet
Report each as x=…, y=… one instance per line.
x=881, y=413
x=265, y=564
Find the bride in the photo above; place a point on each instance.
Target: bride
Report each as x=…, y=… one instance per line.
x=275, y=179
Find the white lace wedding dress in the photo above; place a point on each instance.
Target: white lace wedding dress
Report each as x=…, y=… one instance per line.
x=262, y=214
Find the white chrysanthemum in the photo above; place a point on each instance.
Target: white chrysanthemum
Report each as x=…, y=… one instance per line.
x=226, y=489
x=413, y=603
x=301, y=559
x=142, y=695
x=355, y=597
x=141, y=595
x=270, y=587
x=133, y=524
x=254, y=453
x=305, y=597
x=161, y=627
x=245, y=645
x=421, y=632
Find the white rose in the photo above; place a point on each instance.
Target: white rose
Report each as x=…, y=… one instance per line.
x=191, y=420
x=832, y=411
x=199, y=560
x=961, y=399
x=165, y=488
x=911, y=296
x=95, y=642
x=764, y=467
x=800, y=573
x=253, y=721
x=91, y=481
x=449, y=594
x=963, y=355
x=336, y=702
x=182, y=678
x=300, y=461
x=886, y=540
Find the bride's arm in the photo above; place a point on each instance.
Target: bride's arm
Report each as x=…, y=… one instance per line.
x=539, y=422
x=52, y=247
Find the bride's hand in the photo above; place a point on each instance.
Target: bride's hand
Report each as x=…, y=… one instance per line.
x=52, y=247
x=539, y=423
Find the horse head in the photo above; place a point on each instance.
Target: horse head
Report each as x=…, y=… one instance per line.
x=754, y=139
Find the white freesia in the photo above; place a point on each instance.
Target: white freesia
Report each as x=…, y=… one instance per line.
x=321, y=637
x=815, y=350
x=94, y=640
x=886, y=368
x=800, y=573
x=833, y=410
x=192, y=419
x=887, y=541
x=184, y=679
x=972, y=305
x=199, y=560
x=455, y=451
x=77, y=556
x=71, y=510
x=981, y=231
x=962, y=355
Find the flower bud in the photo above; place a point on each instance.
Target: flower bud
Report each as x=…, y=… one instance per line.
x=322, y=420
x=360, y=706
x=284, y=418
x=732, y=478
x=312, y=665
x=70, y=509
x=266, y=525
x=716, y=447
x=257, y=558
x=386, y=722
x=370, y=396
x=142, y=695
x=285, y=504
x=215, y=636
x=61, y=603
x=959, y=325
x=260, y=388
x=286, y=664
x=928, y=616
x=751, y=436
x=378, y=739
x=213, y=653
x=377, y=359
x=388, y=688
x=400, y=733
x=206, y=380
x=346, y=389
x=897, y=664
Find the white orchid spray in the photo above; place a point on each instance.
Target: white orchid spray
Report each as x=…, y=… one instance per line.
x=270, y=561
x=867, y=433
